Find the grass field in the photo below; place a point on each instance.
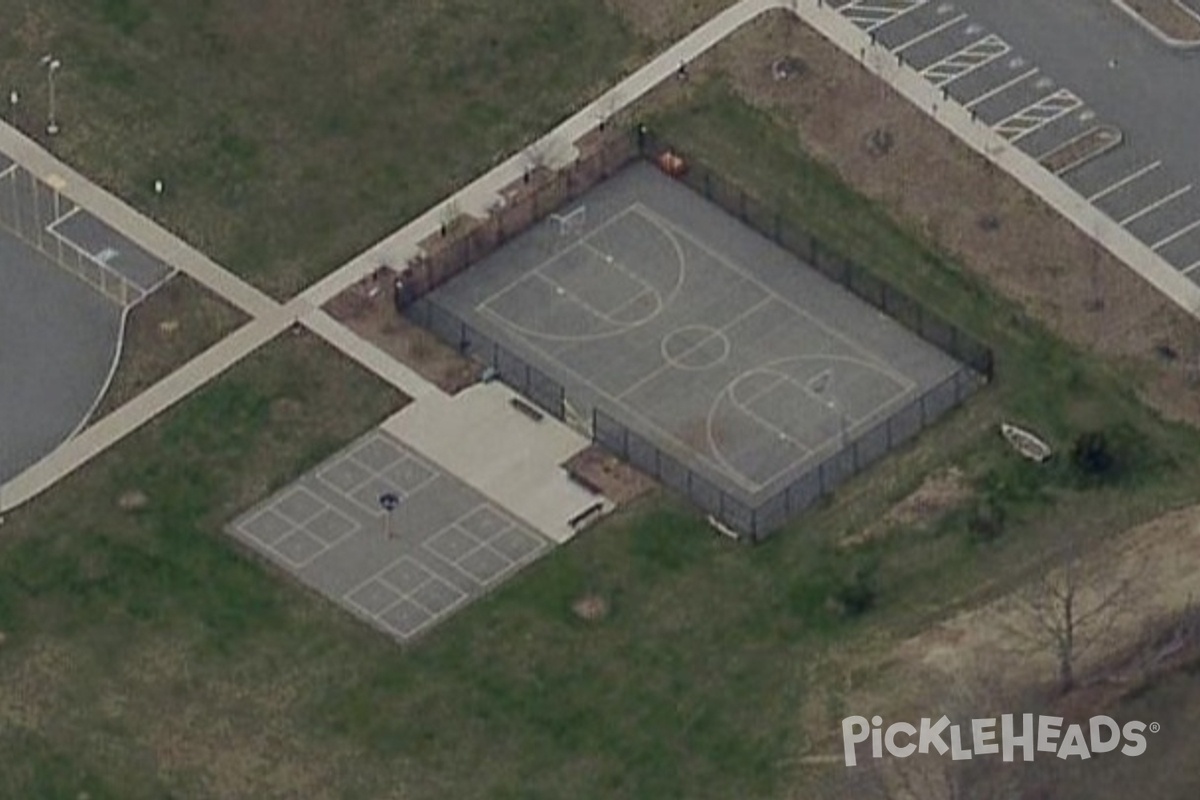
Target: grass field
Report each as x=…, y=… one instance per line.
x=291, y=136
x=146, y=657
x=167, y=329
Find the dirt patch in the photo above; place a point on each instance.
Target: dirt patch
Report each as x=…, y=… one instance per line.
x=368, y=309
x=1170, y=17
x=1160, y=558
x=1027, y=252
x=132, y=500
x=596, y=468
x=662, y=20
x=937, y=495
x=591, y=608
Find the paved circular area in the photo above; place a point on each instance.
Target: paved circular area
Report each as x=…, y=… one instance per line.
x=58, y=343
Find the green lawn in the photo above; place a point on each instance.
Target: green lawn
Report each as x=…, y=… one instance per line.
x=291, y=136
x=148, y=658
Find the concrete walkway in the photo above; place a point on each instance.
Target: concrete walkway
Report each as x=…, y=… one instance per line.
x=559, y=145
x=513, y=460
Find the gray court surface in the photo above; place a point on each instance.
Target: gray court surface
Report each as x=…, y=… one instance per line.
x=442, y=546
x=58, y=339
x=696, y=332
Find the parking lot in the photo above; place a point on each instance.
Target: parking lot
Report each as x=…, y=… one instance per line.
x=1139, y=186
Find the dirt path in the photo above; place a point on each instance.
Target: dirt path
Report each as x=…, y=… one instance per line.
x=1161, y=559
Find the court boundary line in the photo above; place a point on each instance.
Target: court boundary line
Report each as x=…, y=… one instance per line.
x=856, y=347
x=661, y=300
x=669, y=442
x=880, y=411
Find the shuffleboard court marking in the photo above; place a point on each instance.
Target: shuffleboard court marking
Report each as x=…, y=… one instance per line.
x=661, y=301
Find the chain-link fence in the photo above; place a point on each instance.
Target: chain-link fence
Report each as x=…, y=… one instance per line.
x=515, y=371
x=756, y=516
x=775, y=225
x=542, y=192
x=28, y=209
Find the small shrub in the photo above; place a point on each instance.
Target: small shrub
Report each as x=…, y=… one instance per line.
x=857, y=591
x=986, y=520
x=1094, y=456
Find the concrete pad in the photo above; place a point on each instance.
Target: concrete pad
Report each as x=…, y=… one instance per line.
x=509, y=458
x=444, y=545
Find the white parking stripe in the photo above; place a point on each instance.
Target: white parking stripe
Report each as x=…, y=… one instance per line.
x=1181, y=232
x=997, y=90
x=1192, y=267
x=929, y=33
x=965, y=61
x=1043, y=121
x=1112, y=187
x=1134, y=217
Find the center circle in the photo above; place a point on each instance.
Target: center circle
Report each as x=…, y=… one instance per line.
x=695, y=347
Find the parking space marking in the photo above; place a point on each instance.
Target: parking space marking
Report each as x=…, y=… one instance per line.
x=934, y=31
x=1157, y=204
x=1188, y=270
x=877, y=13
x=1133, y=176
x=988, y=95
x=1186, y=229
x=970, y=58
x=1037, y=115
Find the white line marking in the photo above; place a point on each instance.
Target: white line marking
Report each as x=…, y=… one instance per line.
x=1192, y=267
x=985, y=56
x=1044, y=121
x=929, y=33
x=746, y=312
x=998, y=89
x=1112, y=187
x=1157, y=204
x=1181, y=232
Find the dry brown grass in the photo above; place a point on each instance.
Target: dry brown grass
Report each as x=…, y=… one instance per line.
x=162, y=333
x=367, y=309
x=933, y=183
x=1168, y=16
x=666, y=20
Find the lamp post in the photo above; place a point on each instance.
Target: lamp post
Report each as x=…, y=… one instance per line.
x=52, y=66
x=832, y=405
x=13, y=99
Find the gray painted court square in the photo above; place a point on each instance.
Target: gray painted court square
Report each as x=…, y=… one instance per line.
x=695, y=332
x=443, y=546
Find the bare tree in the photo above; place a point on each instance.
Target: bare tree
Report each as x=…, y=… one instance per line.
x=1072, y=607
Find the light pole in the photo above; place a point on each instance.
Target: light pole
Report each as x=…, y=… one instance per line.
x=13, y=99
x=832, y=405
x=52, y=66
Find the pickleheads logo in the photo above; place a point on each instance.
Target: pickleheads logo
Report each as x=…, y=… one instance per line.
x=1027, y=736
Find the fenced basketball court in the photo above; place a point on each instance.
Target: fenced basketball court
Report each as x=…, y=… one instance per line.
x=38, y=212
x=699, y=350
